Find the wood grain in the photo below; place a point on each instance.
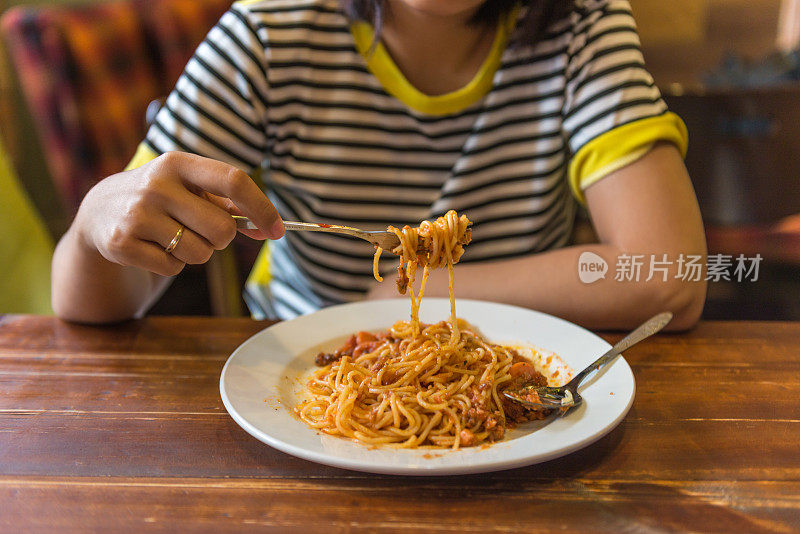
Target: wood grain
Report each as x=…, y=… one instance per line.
x=121, y=428
x=343, y=505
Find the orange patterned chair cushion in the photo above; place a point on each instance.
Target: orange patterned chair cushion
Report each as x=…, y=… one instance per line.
x=88, y=73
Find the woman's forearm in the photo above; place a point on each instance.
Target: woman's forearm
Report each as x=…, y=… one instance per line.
x=550, y=282
x=90, y=289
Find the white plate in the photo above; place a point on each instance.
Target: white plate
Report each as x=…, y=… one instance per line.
x=262, y=380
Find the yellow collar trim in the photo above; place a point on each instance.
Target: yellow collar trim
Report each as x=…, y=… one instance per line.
x=383, y=67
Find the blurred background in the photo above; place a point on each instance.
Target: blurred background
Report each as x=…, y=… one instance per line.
x=77, y=79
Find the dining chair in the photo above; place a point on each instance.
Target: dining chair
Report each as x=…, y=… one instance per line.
x=88, y=73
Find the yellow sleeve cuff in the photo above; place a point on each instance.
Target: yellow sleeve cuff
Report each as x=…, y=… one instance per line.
x=260, y=275
x=622, y=146
x=144, y=154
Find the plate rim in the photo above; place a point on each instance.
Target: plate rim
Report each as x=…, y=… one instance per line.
x=355, y=464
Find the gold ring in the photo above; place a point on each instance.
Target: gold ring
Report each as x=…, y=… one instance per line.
x=175, y=241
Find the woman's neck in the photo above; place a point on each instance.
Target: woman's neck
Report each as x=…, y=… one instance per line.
x=437, y=54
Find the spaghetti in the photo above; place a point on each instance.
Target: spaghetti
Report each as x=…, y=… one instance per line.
x=420, y=385
x=432, y=245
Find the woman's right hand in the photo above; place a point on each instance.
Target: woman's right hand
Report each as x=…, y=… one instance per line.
x=131, y=217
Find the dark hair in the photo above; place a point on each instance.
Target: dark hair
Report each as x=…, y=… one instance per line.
x=538, y=15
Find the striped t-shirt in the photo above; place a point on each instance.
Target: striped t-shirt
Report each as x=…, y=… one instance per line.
x=295, y=88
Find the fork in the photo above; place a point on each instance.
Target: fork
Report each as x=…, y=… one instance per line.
x=379, y=238
x=566, y=396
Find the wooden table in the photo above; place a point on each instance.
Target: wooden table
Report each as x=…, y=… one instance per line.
x=122, y=428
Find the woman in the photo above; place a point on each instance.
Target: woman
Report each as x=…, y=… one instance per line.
x=510, y=112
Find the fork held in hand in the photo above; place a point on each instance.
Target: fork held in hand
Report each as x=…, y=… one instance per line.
x=379, y=238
